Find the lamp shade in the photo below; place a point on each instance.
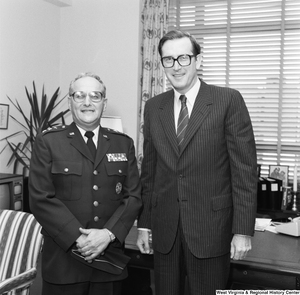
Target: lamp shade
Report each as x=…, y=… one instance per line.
x=112, y=122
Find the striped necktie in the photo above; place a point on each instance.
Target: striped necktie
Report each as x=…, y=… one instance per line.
x=90, y=143
x=183, y=121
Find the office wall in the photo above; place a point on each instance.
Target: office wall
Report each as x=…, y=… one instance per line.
x=51, y=44
x=29, y=51
x=102, y=36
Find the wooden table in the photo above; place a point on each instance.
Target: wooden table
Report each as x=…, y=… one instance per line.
x=273, y=262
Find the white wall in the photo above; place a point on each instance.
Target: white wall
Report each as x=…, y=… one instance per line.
x=29, y=51
x=102, y=36
x=51, y=44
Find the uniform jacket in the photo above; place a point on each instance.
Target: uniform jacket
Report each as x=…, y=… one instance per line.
x=211, y=184
x=68, y=190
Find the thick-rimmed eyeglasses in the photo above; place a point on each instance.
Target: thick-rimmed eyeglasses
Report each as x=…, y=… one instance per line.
x=183, y=60
x=80, y=96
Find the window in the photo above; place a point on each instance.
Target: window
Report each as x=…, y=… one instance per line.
x=253, y=46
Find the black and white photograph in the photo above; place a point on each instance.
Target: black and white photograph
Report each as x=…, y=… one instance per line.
x=279, y=172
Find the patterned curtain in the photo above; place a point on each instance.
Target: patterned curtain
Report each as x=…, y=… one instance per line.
x=154, y=21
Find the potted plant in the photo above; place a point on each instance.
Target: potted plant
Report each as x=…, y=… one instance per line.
x=40, y=118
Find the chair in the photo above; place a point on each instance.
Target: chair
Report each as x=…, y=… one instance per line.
x=20, y=245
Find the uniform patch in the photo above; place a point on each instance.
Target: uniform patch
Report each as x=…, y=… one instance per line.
x=118, y=187
x=54, y=128
x=120, y=157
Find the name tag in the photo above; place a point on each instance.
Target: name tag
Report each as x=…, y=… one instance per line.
x=121, y=157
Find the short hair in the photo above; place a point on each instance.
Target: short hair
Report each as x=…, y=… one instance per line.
x=177, y=34
x=87, y=74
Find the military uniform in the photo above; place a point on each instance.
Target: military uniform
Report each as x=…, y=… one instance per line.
x=69, y=189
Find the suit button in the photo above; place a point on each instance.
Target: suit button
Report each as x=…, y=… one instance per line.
x=95, y=172
x=96, y=218
x=96, y=204
x=95, y=187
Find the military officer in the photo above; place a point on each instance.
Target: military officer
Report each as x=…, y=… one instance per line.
x=85, y=192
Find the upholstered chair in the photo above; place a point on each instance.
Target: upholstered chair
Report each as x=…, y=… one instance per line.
x=20, y=245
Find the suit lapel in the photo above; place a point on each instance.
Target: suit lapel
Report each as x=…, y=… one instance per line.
x=167, y=118
x=103, y=145
x=77, y=141
x=200, y=110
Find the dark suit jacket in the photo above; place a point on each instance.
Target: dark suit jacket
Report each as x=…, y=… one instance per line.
x=68, y=190
x=211, y=184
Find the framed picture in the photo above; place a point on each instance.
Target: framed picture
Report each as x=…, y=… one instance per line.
x=279, y=172
x=4, y=113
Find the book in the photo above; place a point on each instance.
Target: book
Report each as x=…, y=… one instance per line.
x=262, y=194
x=274, y=189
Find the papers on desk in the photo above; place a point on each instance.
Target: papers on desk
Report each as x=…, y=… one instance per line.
x=262, y=223
x=271, y=228
x=266, y=224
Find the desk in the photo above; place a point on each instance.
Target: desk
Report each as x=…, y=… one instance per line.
x=273, y=262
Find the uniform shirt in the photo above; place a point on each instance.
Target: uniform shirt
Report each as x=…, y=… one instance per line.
x=95, y=137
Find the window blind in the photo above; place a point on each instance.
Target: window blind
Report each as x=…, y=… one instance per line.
x=254, y=47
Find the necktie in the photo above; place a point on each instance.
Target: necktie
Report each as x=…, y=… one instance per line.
x=90, y=143
x=183, y=121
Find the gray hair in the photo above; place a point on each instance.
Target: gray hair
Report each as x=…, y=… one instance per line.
x=87, y=74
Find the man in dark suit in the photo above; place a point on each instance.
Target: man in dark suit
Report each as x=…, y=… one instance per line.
x=85, y=199
x=198, y=176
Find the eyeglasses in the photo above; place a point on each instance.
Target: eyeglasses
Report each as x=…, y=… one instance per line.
x=183, y=60
x=80, y=96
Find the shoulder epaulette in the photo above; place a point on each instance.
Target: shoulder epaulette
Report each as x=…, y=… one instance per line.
x=115, y=131
x=54, y=129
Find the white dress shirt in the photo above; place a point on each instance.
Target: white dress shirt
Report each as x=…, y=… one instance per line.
x=95, y=137
x=190, y=100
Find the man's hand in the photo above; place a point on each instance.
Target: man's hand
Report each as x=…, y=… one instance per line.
x=240, y=245
x=144, y=241
x=92, y=242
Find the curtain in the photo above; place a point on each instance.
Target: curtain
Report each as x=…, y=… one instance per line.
x=154, y=25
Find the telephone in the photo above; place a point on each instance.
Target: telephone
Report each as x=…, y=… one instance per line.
x=291, y=228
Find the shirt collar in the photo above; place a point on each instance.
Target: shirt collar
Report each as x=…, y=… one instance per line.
x=191, y=94
x=96, y=132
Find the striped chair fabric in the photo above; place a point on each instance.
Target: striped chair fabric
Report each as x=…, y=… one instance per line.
x=20, y=245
